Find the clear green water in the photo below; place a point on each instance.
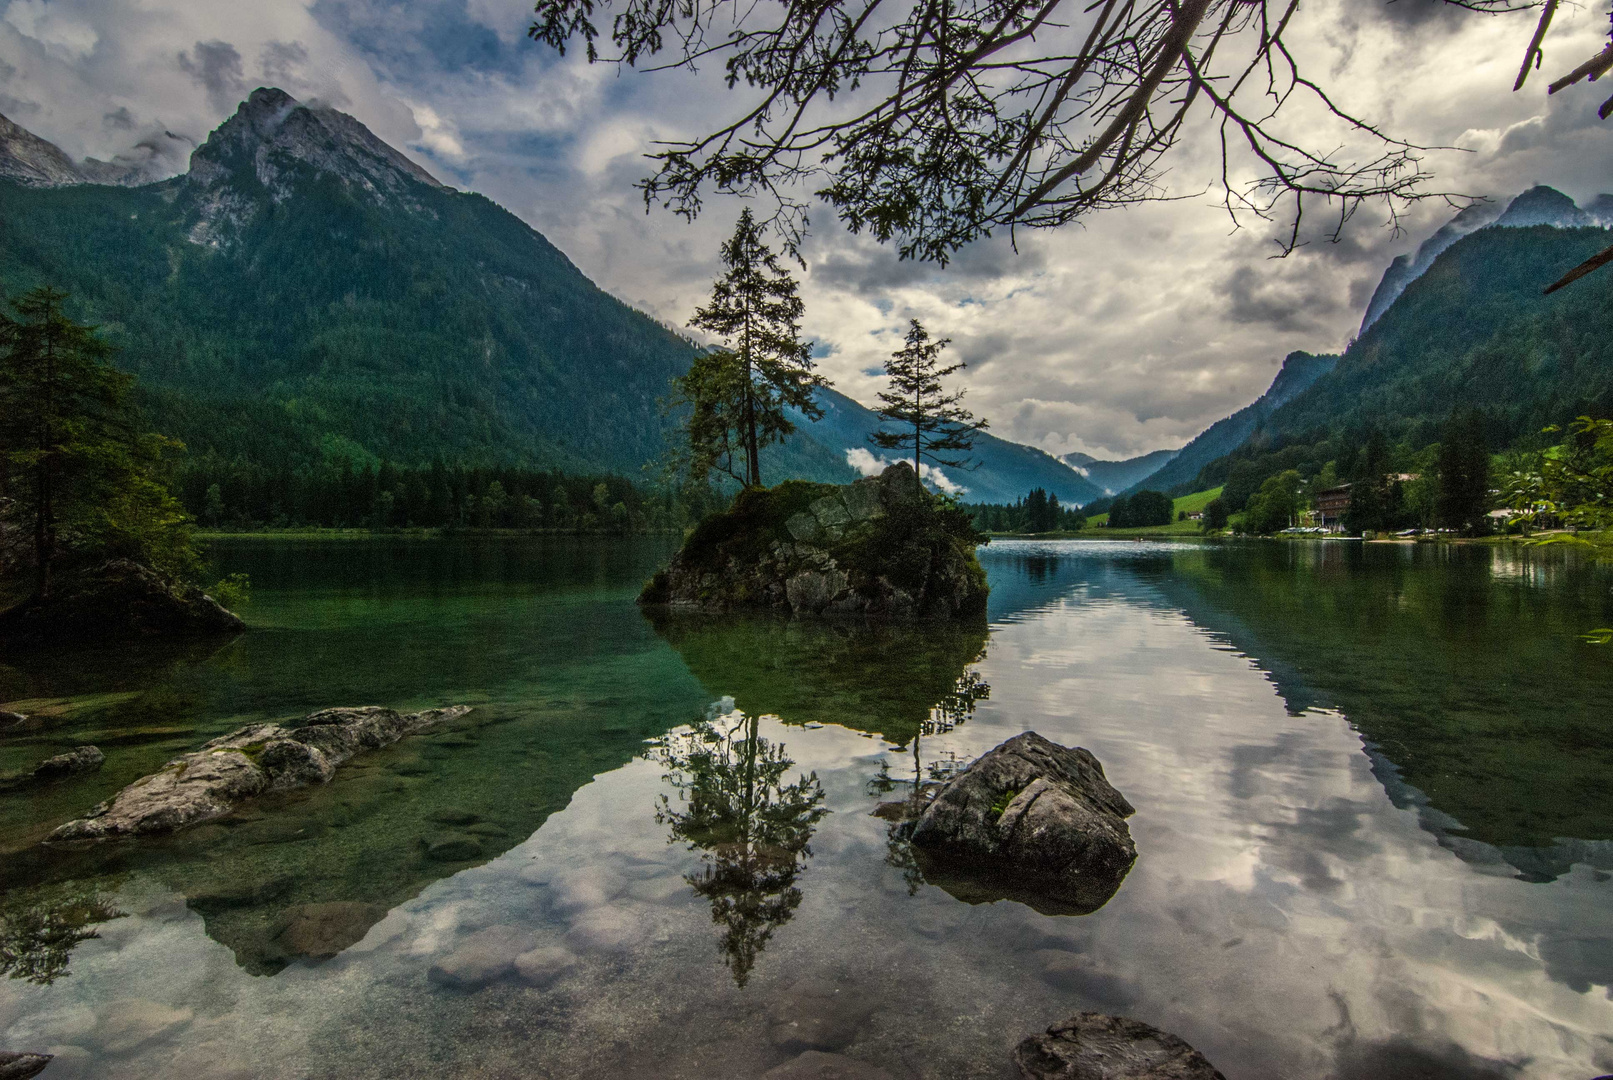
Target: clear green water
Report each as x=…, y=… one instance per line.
x=1374, y=822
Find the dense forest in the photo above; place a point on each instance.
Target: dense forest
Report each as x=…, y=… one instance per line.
x=1037, y=512
x=243, y=495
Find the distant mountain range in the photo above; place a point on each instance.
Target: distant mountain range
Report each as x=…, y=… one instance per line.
x=306, y=294
x=1113, y=477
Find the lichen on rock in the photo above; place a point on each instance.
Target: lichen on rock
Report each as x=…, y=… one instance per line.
x=881, y=547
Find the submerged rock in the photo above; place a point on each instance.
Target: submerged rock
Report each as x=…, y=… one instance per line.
x=1031, y=821
x=323, y=930
x=880, y=547
x=817, y=1065
x=210, y=782
x=483, y=957
x=1092, y=1046
x=80, y=759
x=19, y=1066
x=118, y=600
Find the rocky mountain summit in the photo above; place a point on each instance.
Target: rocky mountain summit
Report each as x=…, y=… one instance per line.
x=1540, y=205
x=272, y=142
x=879, y=547
x=28, y=159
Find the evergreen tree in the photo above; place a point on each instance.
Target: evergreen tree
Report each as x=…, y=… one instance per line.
x=81, y=474
x=739, y=394
x=1462, y=500
x=1370, y=494
x=926, y=418
x=1041, y=511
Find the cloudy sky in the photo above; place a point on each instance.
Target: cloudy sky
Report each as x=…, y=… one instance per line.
x=1129, y=334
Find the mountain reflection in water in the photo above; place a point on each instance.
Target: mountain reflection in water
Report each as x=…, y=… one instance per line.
x=1311, y=735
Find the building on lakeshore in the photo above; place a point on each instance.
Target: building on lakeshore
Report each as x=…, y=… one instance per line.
x=1331, y=503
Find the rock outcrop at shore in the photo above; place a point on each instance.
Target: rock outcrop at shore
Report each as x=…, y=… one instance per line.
x=212, y=781
x=117, y=601
x=16, y=1066
x=80, y=759
x=1092, y=1046
x=1031, y=821
x=880, y=547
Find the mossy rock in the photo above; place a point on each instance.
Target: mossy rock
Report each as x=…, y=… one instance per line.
x=881, y=547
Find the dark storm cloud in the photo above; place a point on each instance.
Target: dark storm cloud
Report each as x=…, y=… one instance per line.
x=216, y=66
x=1278, y=300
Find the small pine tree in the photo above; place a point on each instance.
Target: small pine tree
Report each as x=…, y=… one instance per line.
x=738, y=395
x=1462, y=499
x=926, y=418
x=82, y=474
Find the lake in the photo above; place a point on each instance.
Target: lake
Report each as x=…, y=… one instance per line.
x=1374, y=822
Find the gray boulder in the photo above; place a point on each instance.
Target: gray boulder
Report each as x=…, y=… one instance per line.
x=212, y=781
x=118, y=600
x=11, y=720
x=15, y=1066
x=1031, y=821
x=80, y=759
x=1092, y=1046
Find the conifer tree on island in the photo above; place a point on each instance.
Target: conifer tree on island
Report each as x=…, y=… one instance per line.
x=737, y=395
x=75, y=470
x=925, y=418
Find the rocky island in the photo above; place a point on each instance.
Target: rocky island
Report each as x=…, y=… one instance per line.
x=880, y=547
x=118, y=600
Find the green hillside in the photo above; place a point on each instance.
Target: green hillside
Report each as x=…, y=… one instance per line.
x=1473, y=332
x=1190, y=504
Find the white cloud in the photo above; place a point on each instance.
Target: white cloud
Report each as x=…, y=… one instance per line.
x=1129, y=334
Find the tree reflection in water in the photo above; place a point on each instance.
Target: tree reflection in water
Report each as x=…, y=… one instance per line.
x=752, y=828
x=39, y=931
x=955, y=706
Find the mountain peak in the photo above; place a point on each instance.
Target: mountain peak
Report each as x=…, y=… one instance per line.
x=1542, y=205
x=273, y=133
x=28, y=159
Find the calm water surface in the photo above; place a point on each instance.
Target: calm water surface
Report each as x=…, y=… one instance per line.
x=1374, y=823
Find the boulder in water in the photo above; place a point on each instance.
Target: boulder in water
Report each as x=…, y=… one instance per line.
x=15, y=1066
x=212, y=781
x=1031, y=821
x=80, y=759
x=1092, y=1046
x=118, y=600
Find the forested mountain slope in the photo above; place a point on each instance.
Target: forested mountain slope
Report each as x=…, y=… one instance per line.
x=305, y=285
x=1299, y=371
x=1473, y=331
x=306, y=296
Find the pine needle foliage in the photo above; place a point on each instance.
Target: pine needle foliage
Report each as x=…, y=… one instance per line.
x=738, y=395
x=75, y=470
x=923, y=417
